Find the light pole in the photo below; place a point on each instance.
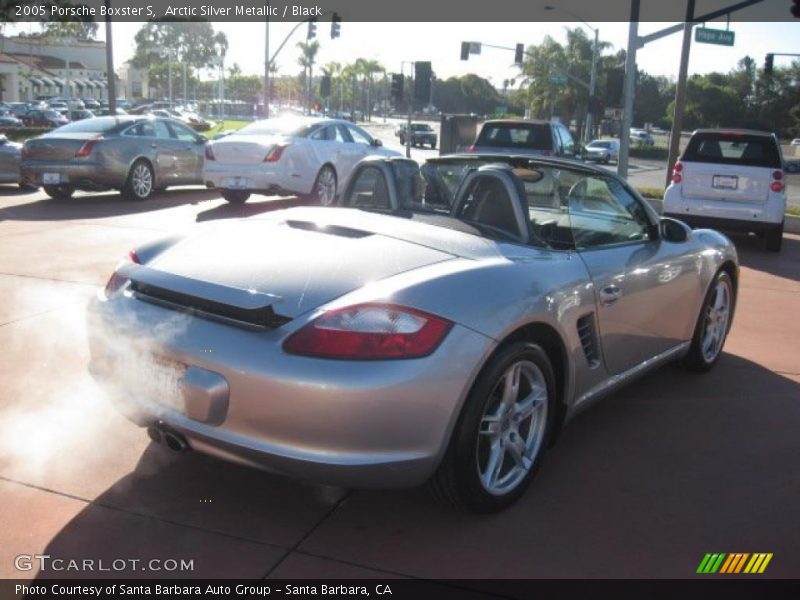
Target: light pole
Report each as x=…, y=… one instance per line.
x=587, y=135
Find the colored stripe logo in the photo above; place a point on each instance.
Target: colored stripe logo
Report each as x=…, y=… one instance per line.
x=733, y=563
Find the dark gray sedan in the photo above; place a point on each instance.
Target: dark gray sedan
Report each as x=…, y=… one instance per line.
x=136, y=155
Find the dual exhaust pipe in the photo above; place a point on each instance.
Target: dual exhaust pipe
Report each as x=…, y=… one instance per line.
x=173, y=440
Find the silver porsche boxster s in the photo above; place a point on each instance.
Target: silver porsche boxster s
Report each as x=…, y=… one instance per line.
x=441, y=324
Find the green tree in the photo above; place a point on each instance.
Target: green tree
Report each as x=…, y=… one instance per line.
x=308, y=55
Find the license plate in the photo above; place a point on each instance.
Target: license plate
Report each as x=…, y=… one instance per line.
x=725, y=182
x=51, y=178
x=235, y=183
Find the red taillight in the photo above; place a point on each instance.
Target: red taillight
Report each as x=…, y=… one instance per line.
x=471, y=149
x=116, y=282
x=370, y=332
x=210, y=153
x=776, y=186
x=676, y=173
x=86, y=149
x=275, y=153
x=547, y=153
x=777, y=175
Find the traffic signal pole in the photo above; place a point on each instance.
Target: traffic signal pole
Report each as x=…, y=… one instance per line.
x=410, y=101
x=680, y=91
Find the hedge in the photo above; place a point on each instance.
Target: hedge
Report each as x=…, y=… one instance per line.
x=22, y=133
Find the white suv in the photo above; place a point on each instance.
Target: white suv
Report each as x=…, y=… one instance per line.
x=731, y=179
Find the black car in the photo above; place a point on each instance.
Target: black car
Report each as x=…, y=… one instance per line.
x=44, y=118
x=421, y=134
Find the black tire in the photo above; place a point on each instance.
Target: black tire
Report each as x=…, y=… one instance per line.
x=236, y=196
x=697, y=359
x=59, y=192
x=140, y=184
x=321, y=193
x=28, y=187
x=773, y=240
x=457, y=480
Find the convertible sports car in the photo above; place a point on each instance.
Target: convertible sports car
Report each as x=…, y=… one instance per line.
x=442, y=323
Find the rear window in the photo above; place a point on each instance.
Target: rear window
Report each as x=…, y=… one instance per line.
x=516, y=135
x=733, y=149
x=97, y=125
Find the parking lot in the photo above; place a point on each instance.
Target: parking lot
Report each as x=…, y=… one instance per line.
x=642, y=485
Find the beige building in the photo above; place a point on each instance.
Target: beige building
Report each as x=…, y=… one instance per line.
x=33, y=67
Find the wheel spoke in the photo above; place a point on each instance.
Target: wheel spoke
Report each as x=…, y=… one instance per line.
x=494, y=465
x=525, y=409
x=511, y=386
x=490, y=425
x=519, y=453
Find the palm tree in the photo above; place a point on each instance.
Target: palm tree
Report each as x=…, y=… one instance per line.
x=333, y=70
x=368, y=68
x=308, y=53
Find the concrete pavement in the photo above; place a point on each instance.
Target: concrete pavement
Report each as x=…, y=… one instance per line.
x=642, y=485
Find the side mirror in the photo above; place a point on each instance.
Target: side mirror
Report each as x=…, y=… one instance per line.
x=377, y=143
x=672, y=230
x=201, y=139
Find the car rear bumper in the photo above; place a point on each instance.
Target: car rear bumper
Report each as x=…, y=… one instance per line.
x=350, y=423
x=89, y=175
x=254, y=178
x=734, y=225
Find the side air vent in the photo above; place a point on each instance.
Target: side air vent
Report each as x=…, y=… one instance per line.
x=588, y=335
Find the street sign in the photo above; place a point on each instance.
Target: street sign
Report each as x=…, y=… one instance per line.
x=558, y=79
x=720, y=37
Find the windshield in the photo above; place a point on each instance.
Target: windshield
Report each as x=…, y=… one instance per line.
x=420, y=127
x=276, y=127
x=599, y=145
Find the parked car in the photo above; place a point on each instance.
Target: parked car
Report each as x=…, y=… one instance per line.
x=44, y=118
x=733, y=180
x=91, y=103
x=80, y=114
x=387, y=342
x=602, y=151
x=106, y=111
x=289, y=155
x=9, y=162
x=135, y=155
x=8, y=119
x=544, y=138
x=19, y=109
x=640, y=137
x=421, y=134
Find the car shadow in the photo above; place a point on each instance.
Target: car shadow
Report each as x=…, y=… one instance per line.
x=753, y=255
x=250, y=208
x=102, y=205
x=15, y=190
x=672, y=444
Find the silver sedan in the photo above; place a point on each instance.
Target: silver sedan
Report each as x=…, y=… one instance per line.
x=440, y=325
x=135, y=155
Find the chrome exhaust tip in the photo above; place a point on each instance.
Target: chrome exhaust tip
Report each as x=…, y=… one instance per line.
x=175, y=441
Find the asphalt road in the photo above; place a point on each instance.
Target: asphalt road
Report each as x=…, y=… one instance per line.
x=642, y=485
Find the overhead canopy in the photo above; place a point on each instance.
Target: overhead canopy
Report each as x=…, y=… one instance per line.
x=35, y=81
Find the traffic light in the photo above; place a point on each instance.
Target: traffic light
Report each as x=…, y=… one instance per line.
x=769, y=61
x=464, y=50
x=614, y=82
x=312, y=28
x=398, y=81
x=325, y=86
x=336, y=26
x=796, y=8
x=422, y=81
x=519, y=54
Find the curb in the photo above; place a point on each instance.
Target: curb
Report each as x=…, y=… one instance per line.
x=791, y=225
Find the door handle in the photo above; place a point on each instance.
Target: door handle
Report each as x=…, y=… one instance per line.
x=609, y=295
x=153, y=146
